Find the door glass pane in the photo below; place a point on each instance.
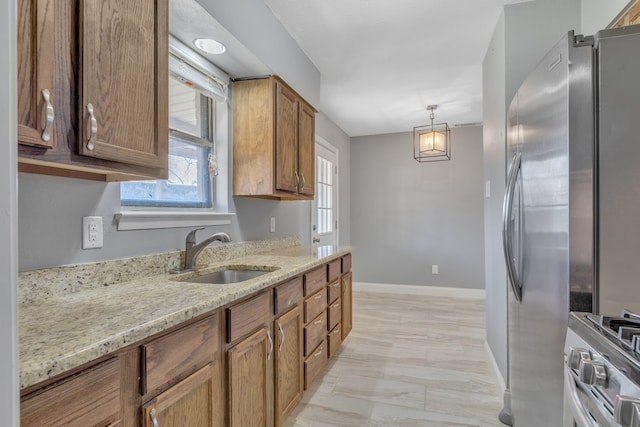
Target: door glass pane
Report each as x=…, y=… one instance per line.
x=324, y=193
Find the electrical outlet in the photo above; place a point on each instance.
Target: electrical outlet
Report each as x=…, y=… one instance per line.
x=434, y=269
x=92, y=232
x=272, y=224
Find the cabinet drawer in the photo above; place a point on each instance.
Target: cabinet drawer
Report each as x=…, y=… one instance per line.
x=346, y=263
x=90, y=398
x=315, y=332
x=334, y=339
x=334, y=270
x=315, y=280
x=314, y=305
x=247, y=316
x=287, y=295
x=314, y=363
x=174, y=356
x=333, y=291
x=334, y=312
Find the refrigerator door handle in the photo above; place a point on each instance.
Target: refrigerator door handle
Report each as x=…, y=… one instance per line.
x=507, y=229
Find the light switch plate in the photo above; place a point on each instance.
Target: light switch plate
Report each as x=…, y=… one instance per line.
x=92, y=231
x=272, y=224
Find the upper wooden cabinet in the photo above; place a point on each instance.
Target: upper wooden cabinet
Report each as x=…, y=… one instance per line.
x=36, y=112
x=123, y=48
x=273, y=141
x=105, y=67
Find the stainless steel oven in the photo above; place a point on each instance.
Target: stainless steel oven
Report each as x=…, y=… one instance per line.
x=602, y=371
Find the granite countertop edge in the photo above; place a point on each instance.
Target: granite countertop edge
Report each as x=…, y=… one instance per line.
x=64, y=332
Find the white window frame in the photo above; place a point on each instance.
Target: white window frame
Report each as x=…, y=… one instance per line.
x=144, y=218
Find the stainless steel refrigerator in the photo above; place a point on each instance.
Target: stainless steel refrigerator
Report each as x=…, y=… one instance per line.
x=572, y=207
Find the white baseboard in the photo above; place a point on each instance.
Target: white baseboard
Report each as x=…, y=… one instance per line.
x=435, y=291
x=500, y=384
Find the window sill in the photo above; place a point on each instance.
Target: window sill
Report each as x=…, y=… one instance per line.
x=148, y=220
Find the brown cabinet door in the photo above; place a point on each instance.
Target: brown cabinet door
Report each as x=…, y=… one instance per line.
x=346, y=305
x=306, y=154
x=195, y=401
x=35, y=72
x=124, y=81
x=286, y=139
x=288, y=353
x=250, y=386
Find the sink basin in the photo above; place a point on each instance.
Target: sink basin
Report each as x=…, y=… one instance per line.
x=229, y=275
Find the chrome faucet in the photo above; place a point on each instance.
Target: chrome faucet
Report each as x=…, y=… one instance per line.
x=192, y=250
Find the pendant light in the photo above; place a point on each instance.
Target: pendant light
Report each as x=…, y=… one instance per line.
x=431, y=142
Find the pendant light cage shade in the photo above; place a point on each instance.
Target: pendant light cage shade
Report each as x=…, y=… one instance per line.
x=432, y=143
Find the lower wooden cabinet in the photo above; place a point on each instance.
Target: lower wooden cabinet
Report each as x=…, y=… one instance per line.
x=288, y=359
x=346, y=304
x=193, y=402
x=90, y=398
x=250, y=382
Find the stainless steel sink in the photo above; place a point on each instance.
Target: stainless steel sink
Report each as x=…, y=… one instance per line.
x=229, y=275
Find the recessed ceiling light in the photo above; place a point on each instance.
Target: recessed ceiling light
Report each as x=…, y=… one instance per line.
x=211, y=46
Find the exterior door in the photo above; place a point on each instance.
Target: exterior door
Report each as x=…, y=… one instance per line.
x=325, y=203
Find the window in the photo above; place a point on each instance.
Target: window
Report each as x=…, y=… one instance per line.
x=195, y=92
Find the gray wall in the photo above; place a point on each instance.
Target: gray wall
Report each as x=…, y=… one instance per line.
x=406, y=216
x=493, y=114
x=253, y=24
x=9, y=409
x=516, y=47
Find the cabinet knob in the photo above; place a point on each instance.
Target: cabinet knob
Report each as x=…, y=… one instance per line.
x=93, y=128
x=626, y=411
x=592, y=372
x=576, y=355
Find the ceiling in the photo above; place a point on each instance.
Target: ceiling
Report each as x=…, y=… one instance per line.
x=381, y=61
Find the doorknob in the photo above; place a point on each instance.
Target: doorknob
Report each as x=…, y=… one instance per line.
x=316, y=240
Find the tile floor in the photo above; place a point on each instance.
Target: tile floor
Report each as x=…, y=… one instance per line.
x=410, y=360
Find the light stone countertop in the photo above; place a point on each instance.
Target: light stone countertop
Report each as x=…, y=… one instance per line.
x=64, y=331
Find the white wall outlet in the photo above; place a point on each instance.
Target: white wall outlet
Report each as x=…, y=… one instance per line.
x=272, y=224
x=487, y=189
x=434, y=269
x=91, y=232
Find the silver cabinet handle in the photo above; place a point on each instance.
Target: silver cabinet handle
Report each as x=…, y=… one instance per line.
x=48, y=115
x=297, y=179
x=318, y=296
x=318, y=353
x=317, y=322
x=303, y=181
x=154, y=420
x=270, y=345
x=281, y=336
x=507, y=210
x=93, y=128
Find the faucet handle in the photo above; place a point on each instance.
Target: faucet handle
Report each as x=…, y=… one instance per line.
x=191, y=238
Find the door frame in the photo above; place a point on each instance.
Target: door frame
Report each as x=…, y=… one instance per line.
x=330, y=147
